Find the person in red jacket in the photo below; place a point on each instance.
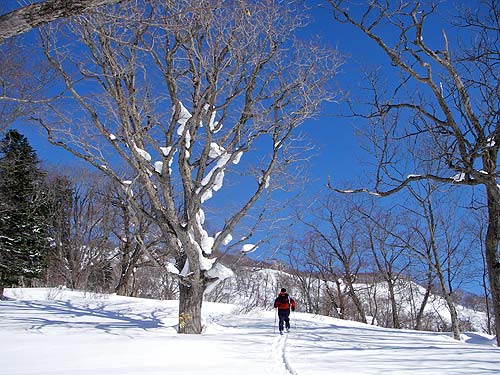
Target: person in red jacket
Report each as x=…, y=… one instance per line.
x=284, y=303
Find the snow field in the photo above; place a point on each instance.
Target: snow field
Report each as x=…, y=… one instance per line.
x=57, y=332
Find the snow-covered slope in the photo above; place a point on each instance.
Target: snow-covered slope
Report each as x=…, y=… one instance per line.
x=258, y=287
x=46, y=331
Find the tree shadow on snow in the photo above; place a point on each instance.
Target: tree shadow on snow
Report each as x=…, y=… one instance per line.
x=67, y=314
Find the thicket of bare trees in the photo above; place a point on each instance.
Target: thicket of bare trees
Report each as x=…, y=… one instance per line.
x=94, y=248
x=368, y=256
x=441, y=103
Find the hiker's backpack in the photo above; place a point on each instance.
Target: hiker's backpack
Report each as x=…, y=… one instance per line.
x=282, y=302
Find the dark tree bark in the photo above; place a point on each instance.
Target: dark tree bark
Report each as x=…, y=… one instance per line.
x=30, y=16
x=421, y=311
x=190, y=302
x=492, y=261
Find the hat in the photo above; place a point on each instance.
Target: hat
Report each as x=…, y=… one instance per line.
x=283, y=290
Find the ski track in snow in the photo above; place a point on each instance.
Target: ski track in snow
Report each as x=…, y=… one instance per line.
x=279, y=355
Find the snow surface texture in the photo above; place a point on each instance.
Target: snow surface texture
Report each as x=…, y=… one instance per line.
x=51, y=331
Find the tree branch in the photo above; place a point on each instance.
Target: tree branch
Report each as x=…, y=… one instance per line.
x=30, y=16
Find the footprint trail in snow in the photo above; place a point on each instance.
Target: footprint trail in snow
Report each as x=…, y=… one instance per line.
x=279, y=355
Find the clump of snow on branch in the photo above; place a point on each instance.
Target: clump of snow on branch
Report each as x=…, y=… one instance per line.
x=206, y=241
x=237, y=158
x=127, y=187
x=218, y=170
x=215, y=150
x=212, y=124
x=158, y=166
x=459, y=177
x=265, y=181
x=184, y=117
x=165, y=150
x=226, y=239
x=217, y=273
x=205, y=263
x=143, y=153
x=172, y=269
x=248, y=248
x=185, y=269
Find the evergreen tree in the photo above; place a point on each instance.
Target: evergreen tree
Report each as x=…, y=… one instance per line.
x=23, y=212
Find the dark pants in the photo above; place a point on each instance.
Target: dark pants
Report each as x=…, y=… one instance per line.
x=284, y=316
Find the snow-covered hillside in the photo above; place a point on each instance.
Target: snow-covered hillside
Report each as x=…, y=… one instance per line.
x=252, y=288
x=51, y=331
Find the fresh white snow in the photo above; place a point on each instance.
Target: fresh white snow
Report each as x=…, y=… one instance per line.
x=248, y=248
x=52, y=331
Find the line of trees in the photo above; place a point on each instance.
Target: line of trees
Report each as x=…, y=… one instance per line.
x=357, y=260
x=426, y=241
x=69, y=230
x=24, y=211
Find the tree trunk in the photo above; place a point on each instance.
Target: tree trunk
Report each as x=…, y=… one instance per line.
x=455, y=327
x=2, y=297
x=122, y=288
x=341, y=305
x=448, y=299
x=357, y=302
x=190, y=301
x=446, y=294
x=421, y=310
x=394, y=307
x=492, y=241
x=128, y=264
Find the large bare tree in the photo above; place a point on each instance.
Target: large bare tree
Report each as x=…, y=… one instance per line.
x=442, y=100
x=179, y=92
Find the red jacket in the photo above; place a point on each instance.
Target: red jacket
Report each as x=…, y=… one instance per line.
x=284, y=302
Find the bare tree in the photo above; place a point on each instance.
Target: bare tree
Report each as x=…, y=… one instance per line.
x=308, y=285
x=135, y=235
x=180, y=92
x=81, y=231
x=335, y=228
x=24, y=81
x=388, y=253
x=333, y=294
x=444, y=98
x=440, y=249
